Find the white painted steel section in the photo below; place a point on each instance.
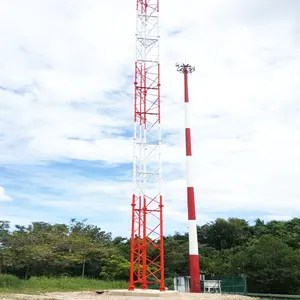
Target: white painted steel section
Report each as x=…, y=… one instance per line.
x=189, y=171
x=193, y=239
x=187, y=114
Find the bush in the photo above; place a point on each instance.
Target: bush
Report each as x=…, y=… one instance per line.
x=169, y=283
x=10, y=281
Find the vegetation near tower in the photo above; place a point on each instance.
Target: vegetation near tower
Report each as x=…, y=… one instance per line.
x=267, y=253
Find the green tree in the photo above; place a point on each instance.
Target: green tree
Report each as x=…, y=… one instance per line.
x=222, y=234
x=271, y=265
x=114, y=267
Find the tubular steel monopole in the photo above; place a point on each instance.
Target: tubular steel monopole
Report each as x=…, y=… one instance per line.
x=193, y=239
x=147, y=249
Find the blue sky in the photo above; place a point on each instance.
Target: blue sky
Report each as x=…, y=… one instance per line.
x=66, y=89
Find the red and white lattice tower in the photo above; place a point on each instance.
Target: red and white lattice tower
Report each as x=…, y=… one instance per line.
x=147, y=249
x=193, y=239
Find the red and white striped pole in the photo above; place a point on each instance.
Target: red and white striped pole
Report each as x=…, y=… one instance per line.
x=193, y=239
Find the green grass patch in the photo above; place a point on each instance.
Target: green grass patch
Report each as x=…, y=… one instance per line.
x=10, y=282
x=36, y=285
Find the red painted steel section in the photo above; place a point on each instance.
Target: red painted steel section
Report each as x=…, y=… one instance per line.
x=188, y=142
x=158, y=92
x=162, y=262
x=186, y=86
x=132, y=246
x=195, y=274
x=135, y=95
x=191, y=203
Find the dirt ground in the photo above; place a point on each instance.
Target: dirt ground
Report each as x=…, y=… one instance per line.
x=94, y=296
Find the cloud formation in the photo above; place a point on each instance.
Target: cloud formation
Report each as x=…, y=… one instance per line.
x=66, y=109
x=3, y=196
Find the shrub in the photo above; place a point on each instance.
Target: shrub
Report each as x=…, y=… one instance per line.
x=10, y=281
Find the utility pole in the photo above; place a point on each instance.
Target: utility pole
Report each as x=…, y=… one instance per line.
x=193, y=238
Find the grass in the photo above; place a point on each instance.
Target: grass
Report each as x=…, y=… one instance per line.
x=36, y=285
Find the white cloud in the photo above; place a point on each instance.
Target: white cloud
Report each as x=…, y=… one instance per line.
x=277, y=218
x=3, y=196
x=66, y=93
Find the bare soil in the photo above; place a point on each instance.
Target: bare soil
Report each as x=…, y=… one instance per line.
x=94, y=296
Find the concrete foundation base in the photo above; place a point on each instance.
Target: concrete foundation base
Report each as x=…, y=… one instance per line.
x=143, y=293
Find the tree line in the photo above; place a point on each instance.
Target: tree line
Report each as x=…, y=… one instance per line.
x=267, y=254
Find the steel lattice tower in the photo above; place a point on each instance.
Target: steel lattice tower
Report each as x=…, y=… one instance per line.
x=147, y=249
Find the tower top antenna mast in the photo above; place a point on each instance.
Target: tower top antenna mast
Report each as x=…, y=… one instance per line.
x=181, y=68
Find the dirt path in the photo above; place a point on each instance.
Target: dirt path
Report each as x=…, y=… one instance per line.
x=94, y=296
